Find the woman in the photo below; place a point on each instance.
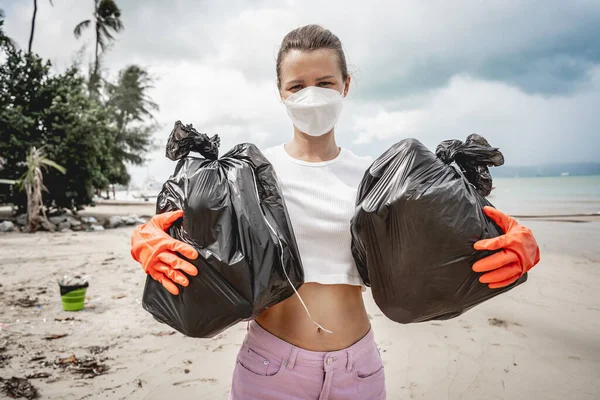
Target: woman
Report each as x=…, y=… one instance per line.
x=286, y=353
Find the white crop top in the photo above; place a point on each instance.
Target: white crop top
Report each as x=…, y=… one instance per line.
x=320, y=198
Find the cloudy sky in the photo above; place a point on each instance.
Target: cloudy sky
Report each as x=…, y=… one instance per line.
x=524, y=74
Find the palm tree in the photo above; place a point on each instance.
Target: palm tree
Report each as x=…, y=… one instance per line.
x=129, y=96
x=33, y=23
x=129, y=99
x=5, y=41
x=107, y=18
x=32, y=182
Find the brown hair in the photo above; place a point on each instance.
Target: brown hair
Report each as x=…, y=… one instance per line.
x=311, y=38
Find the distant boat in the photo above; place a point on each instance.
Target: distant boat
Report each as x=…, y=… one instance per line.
x=564, y=174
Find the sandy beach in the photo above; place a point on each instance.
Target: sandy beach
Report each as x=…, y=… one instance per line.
x=539, y=341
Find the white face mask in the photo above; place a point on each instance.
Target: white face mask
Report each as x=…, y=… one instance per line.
x=314, y=110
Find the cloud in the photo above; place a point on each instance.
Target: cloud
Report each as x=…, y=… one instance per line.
x=530, y=129
x=522, y=73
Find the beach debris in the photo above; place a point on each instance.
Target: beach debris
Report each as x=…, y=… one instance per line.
x=37, y=358
x=66, y=319
x=164, y=333
x=18, y=387
x=3, y=359
x=38, y=375
x=497, y=322
x=96, y=228
x=57, y=336
x=88, y=367
x=218, y=348
x=67, y=360
x=119, y=296
x=25, y=302
x=187, y=382
x=95, y=350
x=6, y=226
x=108, y=260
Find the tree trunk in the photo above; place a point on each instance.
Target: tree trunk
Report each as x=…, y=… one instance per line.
x=32, y=25
x=97, y=36
x=97, y=44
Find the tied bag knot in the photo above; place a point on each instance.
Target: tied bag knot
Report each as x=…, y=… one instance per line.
x=185, y=139
x=473, y=157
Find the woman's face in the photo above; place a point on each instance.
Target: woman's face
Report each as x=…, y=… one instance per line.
x=300, y=69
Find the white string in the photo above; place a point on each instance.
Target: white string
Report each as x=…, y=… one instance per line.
x=283, y=263
x=300, y=298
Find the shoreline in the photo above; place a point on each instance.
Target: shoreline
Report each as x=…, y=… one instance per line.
x=107, y=208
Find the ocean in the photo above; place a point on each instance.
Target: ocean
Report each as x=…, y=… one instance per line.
x=514, y=196
x=547, y=195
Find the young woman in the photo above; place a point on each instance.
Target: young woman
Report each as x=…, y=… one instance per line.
x=285, y=354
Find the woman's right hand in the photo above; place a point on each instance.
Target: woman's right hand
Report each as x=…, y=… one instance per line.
x=152, y=247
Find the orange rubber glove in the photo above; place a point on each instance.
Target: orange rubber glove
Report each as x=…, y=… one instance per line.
x=152, y=247
x=518, y=253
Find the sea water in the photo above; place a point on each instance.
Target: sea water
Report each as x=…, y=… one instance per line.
x=547, y=195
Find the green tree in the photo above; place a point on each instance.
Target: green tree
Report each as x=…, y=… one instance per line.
x=129, y=96
x=39, y=109
x=133, y=108
x=35, y=8
x=107, y=20
x=5, y=41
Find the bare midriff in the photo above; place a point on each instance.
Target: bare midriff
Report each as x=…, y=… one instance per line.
x=338, y=308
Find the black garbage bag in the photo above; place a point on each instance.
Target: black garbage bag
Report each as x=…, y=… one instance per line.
x=418, y=216
x=235, y=216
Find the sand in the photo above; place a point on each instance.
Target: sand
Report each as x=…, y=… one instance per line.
x=539, y=341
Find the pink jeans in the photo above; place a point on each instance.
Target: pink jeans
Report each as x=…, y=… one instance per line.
x=269, y=368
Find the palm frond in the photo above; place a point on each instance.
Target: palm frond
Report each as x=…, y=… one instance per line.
x=80, y=27
x=114, y=23
x=53, y=164
x=105, y=32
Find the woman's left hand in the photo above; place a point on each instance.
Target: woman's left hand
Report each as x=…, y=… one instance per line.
x=518, y=253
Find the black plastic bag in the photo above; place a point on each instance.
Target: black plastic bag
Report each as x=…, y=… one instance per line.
x=235, y=216
x=417, y=219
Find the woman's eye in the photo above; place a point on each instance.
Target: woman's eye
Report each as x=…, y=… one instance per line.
x=325, y=83
x=297, y=87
